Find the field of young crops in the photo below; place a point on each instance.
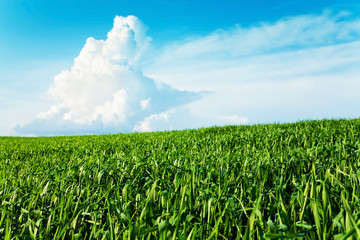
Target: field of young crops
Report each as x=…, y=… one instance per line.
x=290, y=181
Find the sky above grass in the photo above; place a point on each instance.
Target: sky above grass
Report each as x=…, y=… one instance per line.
x=85, y=67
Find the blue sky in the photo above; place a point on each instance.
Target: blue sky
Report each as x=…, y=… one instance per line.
x=41, y=29
x=185, y=64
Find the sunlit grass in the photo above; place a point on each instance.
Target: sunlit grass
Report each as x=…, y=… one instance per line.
x=289, y=181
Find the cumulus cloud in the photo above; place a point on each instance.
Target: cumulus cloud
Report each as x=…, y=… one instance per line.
x=105, y=90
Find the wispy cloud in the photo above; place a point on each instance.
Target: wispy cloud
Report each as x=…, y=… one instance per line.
x=302, y=67
x=287, y=34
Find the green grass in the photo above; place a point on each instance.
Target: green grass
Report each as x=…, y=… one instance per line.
x=277, y=181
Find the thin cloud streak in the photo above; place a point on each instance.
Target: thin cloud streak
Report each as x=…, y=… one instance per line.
x=288, y=34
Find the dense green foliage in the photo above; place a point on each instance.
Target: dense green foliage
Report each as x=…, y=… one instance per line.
x=296, y=181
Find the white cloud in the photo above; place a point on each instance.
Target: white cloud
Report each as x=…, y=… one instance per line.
x=105, y=89
x=183, y=118
x=145, y=103
x=155, y=122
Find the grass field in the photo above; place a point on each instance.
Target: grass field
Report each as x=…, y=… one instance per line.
x=289, y=181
